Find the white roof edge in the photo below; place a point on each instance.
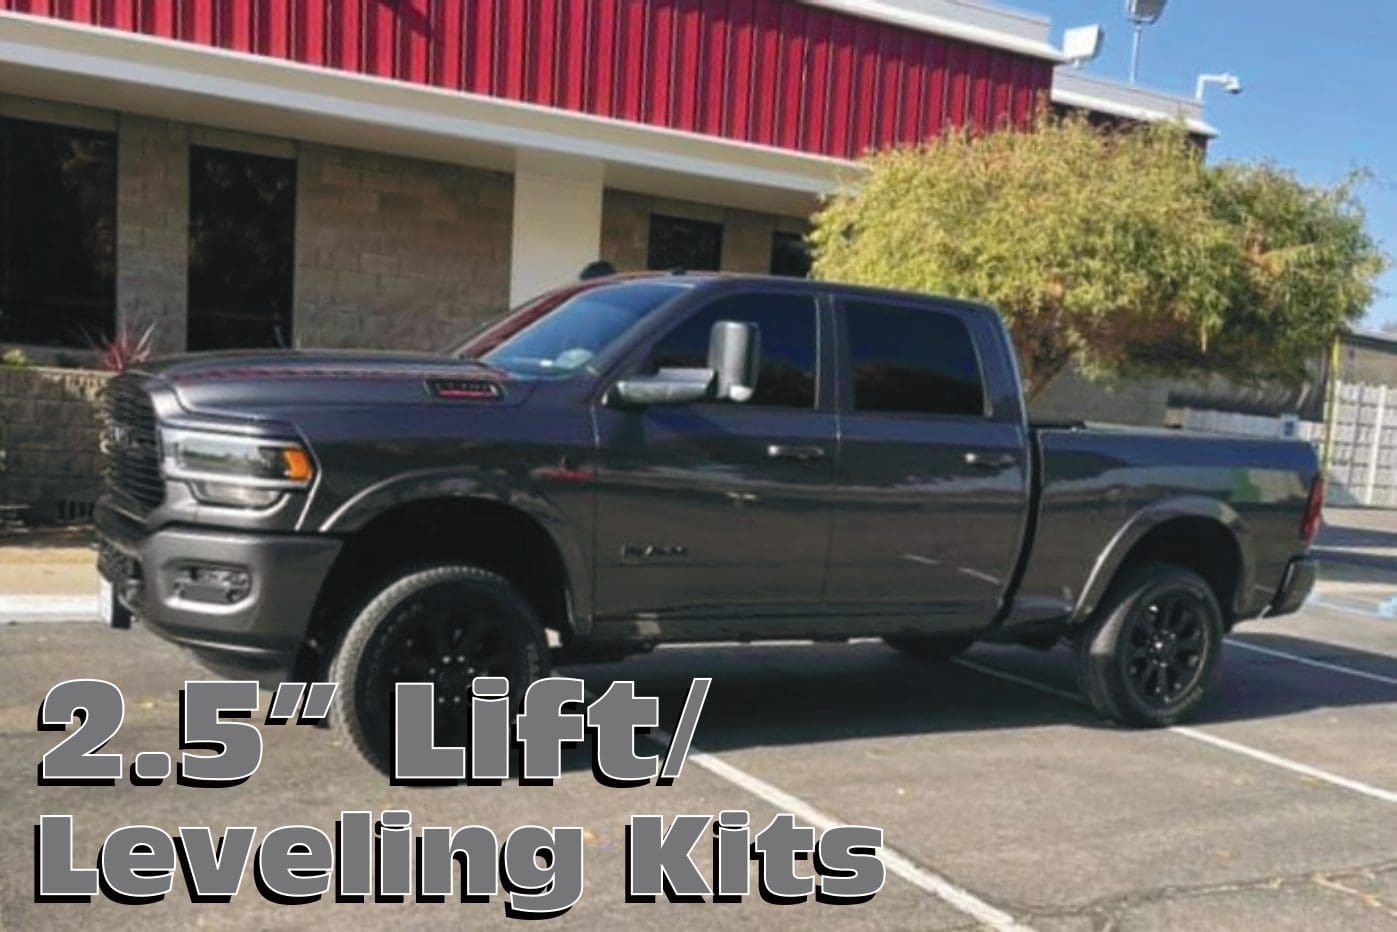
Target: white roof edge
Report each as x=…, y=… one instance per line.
x=1072, y=88
x=980, y=24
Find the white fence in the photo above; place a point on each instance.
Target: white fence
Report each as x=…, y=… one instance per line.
x=1362, y=454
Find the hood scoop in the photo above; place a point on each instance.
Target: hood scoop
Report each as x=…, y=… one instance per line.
x=465, y=389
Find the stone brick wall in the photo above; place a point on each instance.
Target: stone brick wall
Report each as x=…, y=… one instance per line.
x=625, y=234
x=395, y=253
x=152, y=228
x=50, y=430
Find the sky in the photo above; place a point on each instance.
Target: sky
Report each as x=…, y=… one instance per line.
x=1319, y=87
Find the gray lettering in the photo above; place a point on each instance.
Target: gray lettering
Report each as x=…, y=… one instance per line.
x=138, y=862
x=614, y=719
x=656, y=855
x=294, y=862
x=544, y=728
x=541, y=892
x=216, y=872
x=777, y=846
x=439, y=849
x=415, y=753
x=847, y=858
x=57, y=876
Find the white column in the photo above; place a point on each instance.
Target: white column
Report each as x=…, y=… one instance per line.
x=557, y=222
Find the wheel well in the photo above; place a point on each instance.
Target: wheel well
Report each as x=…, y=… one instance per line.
x=1200, y=544
x=479, y=532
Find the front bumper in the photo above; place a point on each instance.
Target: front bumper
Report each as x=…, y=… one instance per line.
x=1299, y=579
x=263, y=621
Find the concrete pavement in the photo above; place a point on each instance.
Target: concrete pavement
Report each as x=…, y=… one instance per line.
x=1008, y=802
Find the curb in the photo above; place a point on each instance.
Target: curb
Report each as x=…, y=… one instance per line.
x=21, y=609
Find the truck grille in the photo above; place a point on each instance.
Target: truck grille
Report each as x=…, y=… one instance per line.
x=131, y=446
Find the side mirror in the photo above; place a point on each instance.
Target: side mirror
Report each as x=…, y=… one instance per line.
x=666, y=387
x=735, y=356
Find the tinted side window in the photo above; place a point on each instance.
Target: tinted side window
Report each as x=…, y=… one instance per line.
x=787, y=324
x=912, y=359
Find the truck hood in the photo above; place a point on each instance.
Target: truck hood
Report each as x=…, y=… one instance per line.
x=249, y=383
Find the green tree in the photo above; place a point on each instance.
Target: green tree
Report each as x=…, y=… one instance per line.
x=1119, y=252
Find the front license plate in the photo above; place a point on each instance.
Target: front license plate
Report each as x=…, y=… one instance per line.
x=106, y=602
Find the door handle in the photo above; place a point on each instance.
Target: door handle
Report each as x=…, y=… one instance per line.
x=990, y=460
x=780, y=451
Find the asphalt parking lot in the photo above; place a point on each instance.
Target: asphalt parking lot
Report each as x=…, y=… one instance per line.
x=1005, y=800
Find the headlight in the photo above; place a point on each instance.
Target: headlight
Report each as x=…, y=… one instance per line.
x=236, y=471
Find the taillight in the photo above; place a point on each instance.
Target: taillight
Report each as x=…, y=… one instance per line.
x=1309, y=526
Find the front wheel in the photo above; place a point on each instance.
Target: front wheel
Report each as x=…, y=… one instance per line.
x=443, y=625
x=1152, y=648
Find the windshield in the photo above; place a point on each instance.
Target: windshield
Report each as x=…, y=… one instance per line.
x=566, y=338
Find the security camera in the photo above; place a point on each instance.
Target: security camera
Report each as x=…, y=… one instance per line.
x=1228, y=82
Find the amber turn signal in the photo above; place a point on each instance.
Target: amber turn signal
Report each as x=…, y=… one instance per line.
x=298, y=466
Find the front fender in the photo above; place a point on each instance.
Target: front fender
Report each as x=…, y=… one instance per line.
x=564, y=525
x=1156, y=515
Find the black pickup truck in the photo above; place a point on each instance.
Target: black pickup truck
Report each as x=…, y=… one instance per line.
x=678, y=458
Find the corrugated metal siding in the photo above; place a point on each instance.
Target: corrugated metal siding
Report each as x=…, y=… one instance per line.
x=773, y=72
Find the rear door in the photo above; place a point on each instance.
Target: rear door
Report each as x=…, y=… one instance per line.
x=931, y=485
x=720, y=508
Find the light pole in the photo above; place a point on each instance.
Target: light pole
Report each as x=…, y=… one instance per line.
x=1142, y=13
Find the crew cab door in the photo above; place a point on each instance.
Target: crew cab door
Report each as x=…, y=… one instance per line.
x=932, y=488
x=720, y=508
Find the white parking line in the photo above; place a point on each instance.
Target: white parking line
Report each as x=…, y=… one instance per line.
x=1265, y=757
x=895, y=861
x=1285, y=763
x=1309, y=662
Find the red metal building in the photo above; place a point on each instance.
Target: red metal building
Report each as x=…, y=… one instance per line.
x=424, y=162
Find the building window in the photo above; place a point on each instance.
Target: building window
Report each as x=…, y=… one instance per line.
x=57, y=234
x=678, y=243
x=242, y=224
x=788, y=343
x=790, y=256
x=912, y=360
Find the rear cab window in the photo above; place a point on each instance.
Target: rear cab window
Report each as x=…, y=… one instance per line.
x=906, y=359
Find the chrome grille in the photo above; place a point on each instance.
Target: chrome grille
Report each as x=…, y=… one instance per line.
x=131, y=446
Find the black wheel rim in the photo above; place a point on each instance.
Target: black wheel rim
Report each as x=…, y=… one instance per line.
x=440, y=638
x=1166, y=646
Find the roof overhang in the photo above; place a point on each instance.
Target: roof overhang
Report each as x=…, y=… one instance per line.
x=966, y=20
x=212, y=87
x=1073, y=88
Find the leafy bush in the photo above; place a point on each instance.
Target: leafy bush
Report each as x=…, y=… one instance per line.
x=1115, y=251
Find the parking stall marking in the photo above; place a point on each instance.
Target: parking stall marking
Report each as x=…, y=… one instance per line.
x=893, y=860
x=1265, y=757
x=1310, y=662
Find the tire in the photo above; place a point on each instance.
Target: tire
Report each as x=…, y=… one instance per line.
x=442, y=624
x=1152, y=649
x=929, y=649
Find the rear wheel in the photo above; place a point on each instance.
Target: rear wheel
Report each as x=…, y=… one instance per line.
x=1152, y=649
x=930, y=649
x=443, y=625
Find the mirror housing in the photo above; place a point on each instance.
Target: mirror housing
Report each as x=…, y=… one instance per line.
x=734, y=355
x=734, y=358
x=666, y=387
